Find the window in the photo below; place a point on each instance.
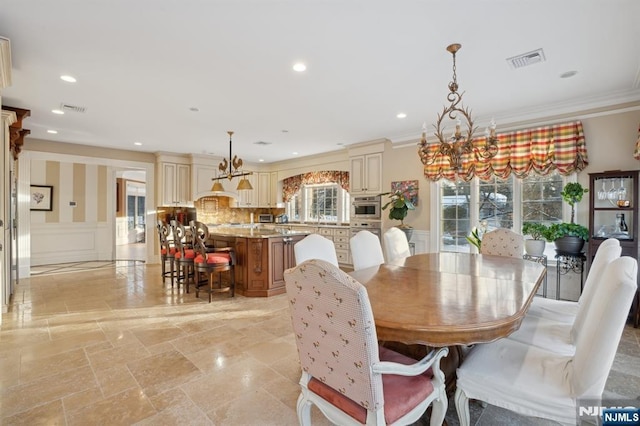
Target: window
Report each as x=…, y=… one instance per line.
x=319, y=203
x=502, y=203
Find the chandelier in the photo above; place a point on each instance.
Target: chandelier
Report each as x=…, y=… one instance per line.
x=458, y=144
x=229, y=170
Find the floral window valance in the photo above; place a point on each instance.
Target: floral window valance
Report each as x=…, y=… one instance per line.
x=292, y=184
x=558, y=147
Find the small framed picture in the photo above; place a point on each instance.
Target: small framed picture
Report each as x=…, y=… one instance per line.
x=42, y=197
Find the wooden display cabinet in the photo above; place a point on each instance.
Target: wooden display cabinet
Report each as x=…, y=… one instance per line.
x=613, y=195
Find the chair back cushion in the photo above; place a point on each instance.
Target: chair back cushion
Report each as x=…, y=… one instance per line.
x=366, y=250
x=502, y=242
x=315, y=246
x=597, y=342
x=396, y=245
x=334, y=329
x=604, y=256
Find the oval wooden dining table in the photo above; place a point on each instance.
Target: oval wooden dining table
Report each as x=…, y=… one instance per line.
x=448, y=299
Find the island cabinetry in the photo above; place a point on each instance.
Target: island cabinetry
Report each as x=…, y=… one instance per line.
x=260, y=262
x=281, y=258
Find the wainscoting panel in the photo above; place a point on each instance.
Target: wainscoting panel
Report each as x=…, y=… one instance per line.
x=61, y=243
x=421, y=239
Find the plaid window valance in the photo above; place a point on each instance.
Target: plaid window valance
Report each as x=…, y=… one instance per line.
x=291, y=185
x=558, y=147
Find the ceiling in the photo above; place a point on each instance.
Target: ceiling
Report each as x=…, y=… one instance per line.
x=142, y=66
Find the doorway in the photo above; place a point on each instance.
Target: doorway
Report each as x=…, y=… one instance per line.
x=131, y=204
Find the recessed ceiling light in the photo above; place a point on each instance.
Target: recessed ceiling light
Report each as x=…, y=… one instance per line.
x=295, y=153
x=57, y=111
x=137, y=143
x=299, y=67
x=261, y=160
x=68, y=78
x=401, y=115
x=53, y=132
x=194, y=109
x=568, y=74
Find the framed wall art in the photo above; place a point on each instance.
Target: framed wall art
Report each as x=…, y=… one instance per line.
x=42, y=197
x=408, y=187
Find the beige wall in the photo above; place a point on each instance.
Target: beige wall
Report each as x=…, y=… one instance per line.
x=610, y=144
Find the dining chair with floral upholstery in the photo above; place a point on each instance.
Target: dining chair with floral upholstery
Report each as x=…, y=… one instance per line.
x=345, y=373
x=502, y=242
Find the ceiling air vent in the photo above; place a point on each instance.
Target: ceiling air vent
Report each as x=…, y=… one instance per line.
x=72, y=108
x=526, y=59
x=262, y=143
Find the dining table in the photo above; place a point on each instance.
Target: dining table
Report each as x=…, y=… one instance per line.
x=449, y=299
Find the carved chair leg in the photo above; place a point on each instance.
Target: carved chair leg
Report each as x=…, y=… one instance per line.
x=439, y=409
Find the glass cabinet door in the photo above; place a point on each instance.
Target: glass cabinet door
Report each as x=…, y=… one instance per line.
x=613, y=207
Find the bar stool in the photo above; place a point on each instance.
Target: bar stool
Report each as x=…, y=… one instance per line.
x=210, y=263
x=167, y=251
x=184, y=255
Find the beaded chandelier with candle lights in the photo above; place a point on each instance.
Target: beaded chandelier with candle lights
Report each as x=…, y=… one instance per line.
x=458, y=144
x=230, y=169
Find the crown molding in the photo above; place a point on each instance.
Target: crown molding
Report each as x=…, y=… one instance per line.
x=628, y=100
x=5, y=63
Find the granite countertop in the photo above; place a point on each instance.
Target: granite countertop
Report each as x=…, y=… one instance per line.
x=257, y=232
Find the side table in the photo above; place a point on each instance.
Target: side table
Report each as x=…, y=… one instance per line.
x=569, y=262
x=542, y=259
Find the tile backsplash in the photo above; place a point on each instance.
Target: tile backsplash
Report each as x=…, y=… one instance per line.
x=217, y=210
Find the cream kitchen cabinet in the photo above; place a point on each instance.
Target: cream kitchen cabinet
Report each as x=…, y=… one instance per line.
x=366, y=174
x=175, y=181
x=264, y=189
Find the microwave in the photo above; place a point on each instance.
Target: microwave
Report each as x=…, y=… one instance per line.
x=265, y=218
x=366, y=207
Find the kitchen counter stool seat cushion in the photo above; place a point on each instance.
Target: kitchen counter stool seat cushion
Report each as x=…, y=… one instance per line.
x=214, y=258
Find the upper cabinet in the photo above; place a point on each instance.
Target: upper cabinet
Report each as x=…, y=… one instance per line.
x=174, y=184
x=264, y=189
x=365, y=175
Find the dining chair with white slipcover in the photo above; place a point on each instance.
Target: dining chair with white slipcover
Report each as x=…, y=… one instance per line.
x=566, y=310
x=345, y=373
x=366, y=250
x=396, y=245
x=537, y=382
x=548, y=332
x=315, y=246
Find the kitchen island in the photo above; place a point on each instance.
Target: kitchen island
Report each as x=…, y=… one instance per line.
x=262, y=256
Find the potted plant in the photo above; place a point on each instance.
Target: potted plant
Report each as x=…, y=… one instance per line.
x=534, y=246
x=399, y=206
x=570, y=237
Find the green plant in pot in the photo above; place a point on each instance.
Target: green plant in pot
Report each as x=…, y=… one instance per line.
x=399, y=206
x=538, y=232
x=570, y=237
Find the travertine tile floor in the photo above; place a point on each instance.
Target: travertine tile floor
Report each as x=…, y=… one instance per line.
x=114, y=346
